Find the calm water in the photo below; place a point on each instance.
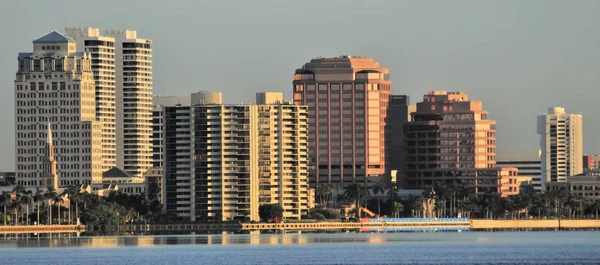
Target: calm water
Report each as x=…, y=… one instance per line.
x=324, y=248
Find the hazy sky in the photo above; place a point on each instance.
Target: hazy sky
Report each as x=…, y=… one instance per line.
x=518, y=57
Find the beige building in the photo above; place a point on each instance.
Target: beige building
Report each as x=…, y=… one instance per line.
x=585, y=185
x=561, y=144
x=265, y=98
x=450, y=139
x=249, y=155
x=347, y=99
x=55, y=84
x=102, y=51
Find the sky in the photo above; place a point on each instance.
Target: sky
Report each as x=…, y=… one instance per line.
x=518, y=57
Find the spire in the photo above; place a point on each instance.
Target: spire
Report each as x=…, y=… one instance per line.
x=49, y=141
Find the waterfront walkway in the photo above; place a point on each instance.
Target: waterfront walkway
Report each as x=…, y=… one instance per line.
x=42, y=229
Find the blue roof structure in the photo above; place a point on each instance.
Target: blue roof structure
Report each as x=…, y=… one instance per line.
x=25, y=54
x=54, y=37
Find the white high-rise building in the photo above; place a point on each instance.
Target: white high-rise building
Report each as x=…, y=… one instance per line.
x=122, y=66
x=54, y=85
x=561, y=144
x=102, y=52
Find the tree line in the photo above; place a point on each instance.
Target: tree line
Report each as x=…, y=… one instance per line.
x=460, y=199
x=47, y=207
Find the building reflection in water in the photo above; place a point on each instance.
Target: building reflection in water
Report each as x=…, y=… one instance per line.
x=224, y=238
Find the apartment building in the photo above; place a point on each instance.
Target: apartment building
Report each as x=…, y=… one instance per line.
x=249, y=155
x=102, y=52
x=347, y=99
x=55, y=85
x=561, y=144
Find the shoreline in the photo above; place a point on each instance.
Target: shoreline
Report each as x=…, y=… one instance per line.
x=403, y=224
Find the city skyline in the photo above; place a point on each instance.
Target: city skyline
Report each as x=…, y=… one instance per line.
x=517, y=62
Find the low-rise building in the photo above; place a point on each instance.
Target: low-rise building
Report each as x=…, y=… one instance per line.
x=584, y=185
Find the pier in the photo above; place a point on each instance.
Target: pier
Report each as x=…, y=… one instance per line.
x=41, y=229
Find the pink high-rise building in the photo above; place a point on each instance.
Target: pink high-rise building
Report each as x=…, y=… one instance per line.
x=347, y=100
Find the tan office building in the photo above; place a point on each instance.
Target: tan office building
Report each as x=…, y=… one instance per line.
x=450, y=139
x=54, y=85
x=347, y=100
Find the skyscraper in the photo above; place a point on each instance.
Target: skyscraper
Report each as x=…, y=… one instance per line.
x=347, y=99
x=134, y=101
x=54, y=84
x=451, y=140
x=249, y=155
x=122, y=66
x=399, y=110
x=102, y=52
x=561, y=144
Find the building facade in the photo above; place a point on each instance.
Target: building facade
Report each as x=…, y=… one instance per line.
x=450, y=139
x=527, y=163
x=54, y=84
x=591, y=162
x=102, y=52
x=347, y=99
x=265, y=98
x=561, y=144
x=399, y=110
x=133, y=70
x=585, y=185
x=249, y=155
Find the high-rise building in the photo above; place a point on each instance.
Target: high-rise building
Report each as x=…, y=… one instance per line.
x=102, y=52
x=221, y=162
x=134, y=101
x=264, y=98
x=249, y=155
x=122, y=66
x=158, y=104
x=591, y=162
x=561, y=144
x=55, y=84
x=528, y=164
x=449, y=140
x=347, y=99
x=399, y=110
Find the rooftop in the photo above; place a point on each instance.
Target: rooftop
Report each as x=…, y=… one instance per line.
x=54, y=37
x=116, y=172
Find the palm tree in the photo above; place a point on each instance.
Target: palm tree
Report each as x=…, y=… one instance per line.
x=18, y=191
x=75, y=195
x=49, y=196
x=27, y=199
x=324, y=192
x=38, y=197
x=5, y=201
x=398, y=207
x=379, y=188
x=355, y=192
x=58, y=201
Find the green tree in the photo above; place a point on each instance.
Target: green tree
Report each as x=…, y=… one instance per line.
x=379, y=188
x=268, y=212
x=104, y=216
x=49, y=196
x=355, y=192
x=38, y=197
x=5, y=201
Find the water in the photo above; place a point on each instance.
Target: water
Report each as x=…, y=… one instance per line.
x=313, y=249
